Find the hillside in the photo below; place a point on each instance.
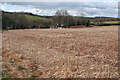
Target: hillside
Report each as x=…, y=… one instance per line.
x=13, y=20
x=24, y=20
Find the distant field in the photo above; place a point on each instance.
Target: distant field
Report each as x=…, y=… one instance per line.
x=108, y=22
x=36, y=17
x=61, y=53
x=111, y=22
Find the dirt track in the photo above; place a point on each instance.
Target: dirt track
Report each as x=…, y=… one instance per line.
x=73, y=53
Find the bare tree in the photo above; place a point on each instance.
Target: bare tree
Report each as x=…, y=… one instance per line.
x=62, y=18
x=61, y=13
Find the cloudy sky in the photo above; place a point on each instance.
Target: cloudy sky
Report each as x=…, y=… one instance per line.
x=90, y=8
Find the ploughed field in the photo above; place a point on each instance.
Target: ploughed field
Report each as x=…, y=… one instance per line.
x=61, y=53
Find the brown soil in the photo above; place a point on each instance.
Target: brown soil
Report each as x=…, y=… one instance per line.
x=64, y=53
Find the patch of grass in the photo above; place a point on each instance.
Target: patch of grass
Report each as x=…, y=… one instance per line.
x=5, y=74
x=111, y=22
x=36, y=17
x=106, y=22
x=20, y=67
x=34, y=76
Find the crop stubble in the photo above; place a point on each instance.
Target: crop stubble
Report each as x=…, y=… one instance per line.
x=65, y=53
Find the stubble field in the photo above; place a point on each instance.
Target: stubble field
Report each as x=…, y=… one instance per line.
x=61, y=53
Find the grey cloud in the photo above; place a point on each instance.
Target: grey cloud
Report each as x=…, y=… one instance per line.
x=90, y=8
x=47, y=5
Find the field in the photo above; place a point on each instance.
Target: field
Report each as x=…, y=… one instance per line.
x=111, y=22
x=108, y=22
x=66, y=53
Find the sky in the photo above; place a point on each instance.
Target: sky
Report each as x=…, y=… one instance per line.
x=91, y=8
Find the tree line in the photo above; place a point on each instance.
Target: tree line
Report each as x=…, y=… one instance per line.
x=23, y=21
x=14, y=20
x=62, y=18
